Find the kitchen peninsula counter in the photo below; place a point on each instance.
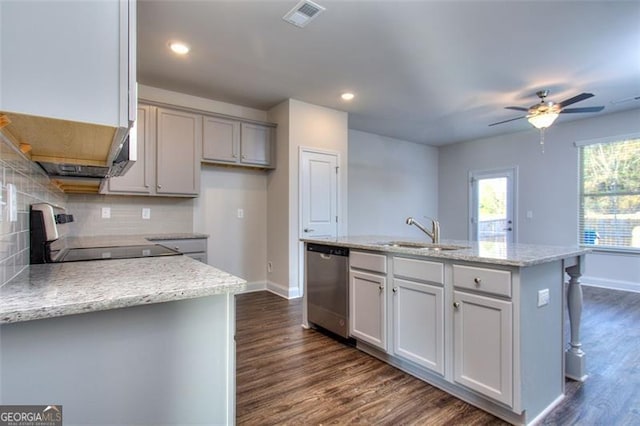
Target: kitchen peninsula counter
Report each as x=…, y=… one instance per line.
x=57, y=289
x=122, y=341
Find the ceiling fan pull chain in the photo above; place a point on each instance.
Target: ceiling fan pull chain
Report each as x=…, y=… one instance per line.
x=542, y=139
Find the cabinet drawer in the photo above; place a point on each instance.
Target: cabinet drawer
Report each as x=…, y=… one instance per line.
x=191, y=245
x=487, y=280
x=421, y=270
x=368, y=261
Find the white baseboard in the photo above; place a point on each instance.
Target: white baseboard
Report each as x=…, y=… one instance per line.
x=255, y=286
x=612, y=284
x=282, y=291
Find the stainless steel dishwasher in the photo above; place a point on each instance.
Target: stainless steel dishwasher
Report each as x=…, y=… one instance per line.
x=328, y=288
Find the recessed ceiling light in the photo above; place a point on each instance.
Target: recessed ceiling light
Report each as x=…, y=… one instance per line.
x=179, y=48
x=347, y=96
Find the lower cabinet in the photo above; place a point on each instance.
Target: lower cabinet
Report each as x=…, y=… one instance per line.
x=195, y=248
x=418, y=323
x=483, y=345
x=367, y=319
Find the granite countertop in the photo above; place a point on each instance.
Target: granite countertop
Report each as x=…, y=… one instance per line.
x=57, y=289
x=483, y=252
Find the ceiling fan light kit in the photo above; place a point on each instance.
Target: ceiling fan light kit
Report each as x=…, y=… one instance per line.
x=543, y=114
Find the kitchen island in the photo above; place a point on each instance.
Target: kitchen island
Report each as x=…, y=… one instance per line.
x=482, y=321
x=129, y=341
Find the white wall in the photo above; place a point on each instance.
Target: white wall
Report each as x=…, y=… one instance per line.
x=235, y=245
x=548, y=186
x=390, y=180
x=307, y=126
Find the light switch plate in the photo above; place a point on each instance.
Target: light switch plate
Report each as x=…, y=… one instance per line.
x=240, y=213
x=106, y=212
x=146, y=213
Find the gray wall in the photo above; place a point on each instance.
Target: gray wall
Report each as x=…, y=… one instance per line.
x=389, y=180
x=547, y=185
x=236, y=245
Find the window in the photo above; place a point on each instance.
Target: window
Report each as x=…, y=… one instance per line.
x=610, y=193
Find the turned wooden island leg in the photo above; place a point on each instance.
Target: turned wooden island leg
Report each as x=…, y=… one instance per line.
x=575, y=358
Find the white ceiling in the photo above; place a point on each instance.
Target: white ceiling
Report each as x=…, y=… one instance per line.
x=432, y=72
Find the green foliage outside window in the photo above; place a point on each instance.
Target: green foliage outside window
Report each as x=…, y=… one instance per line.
x=610, y=194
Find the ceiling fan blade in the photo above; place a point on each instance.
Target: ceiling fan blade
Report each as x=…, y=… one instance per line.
x=517, y=108
x=506, y=121
x=585, y=109
x=577, y=98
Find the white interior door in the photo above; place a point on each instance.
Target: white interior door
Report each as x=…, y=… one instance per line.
x=318, y=194
x=492, y=201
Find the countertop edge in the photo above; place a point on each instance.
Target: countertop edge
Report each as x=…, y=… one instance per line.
x=458, y=255
x=45, y=312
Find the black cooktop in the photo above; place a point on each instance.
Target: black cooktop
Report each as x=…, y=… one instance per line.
x=120, y=252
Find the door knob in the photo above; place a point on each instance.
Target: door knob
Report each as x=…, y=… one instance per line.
x=308, y=230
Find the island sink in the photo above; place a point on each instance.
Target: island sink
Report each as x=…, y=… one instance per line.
x=421, y=246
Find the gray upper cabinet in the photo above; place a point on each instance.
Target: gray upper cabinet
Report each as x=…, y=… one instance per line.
x=168, y=162
x=227, y=141
x=221, y=139
x=178, y=143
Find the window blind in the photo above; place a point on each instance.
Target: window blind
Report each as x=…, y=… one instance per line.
x=610, y=194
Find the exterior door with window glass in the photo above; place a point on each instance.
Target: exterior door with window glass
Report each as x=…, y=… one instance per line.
x=492, y=212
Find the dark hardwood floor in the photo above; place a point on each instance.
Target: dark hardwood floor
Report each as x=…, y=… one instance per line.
x=288, y=375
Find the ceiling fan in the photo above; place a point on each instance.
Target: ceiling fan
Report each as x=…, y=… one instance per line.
x=544, y=113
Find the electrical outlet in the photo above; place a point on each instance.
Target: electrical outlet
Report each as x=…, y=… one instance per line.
x=543, y=297
x=529, y=214
x=240, y=213
x=146, y=213
x=269, y=266
x=106, y=212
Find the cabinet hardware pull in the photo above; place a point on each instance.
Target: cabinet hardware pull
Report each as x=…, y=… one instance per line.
x=308, y=230
x=395, y=289
x=159, y=186
x=381, y=287
x=477, y=281
x=456, y=305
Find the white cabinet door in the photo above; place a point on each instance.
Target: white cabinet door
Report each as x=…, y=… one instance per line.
x=220, y=139
x=418, y=323
x=71, y=60
x=139, y=178
x=255, y=144
x=367, y=319
x=483, y=345
x=179, y=139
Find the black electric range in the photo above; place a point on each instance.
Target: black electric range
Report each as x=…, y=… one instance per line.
x=119, y=252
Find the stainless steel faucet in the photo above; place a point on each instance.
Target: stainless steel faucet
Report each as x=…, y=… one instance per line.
x=434, y=234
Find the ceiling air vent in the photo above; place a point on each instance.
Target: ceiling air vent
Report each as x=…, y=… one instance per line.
x=303, y=13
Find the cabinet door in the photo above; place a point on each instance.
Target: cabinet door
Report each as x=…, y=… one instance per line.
x=220, y=139
x=483, y=345
x=418, y=326
x=179, y=138
x=255, y=144
x=86, y=77
x=139, y=177
x=367, y=317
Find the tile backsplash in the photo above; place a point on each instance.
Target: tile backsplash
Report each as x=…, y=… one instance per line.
x=167, y=215
x=22, y=183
